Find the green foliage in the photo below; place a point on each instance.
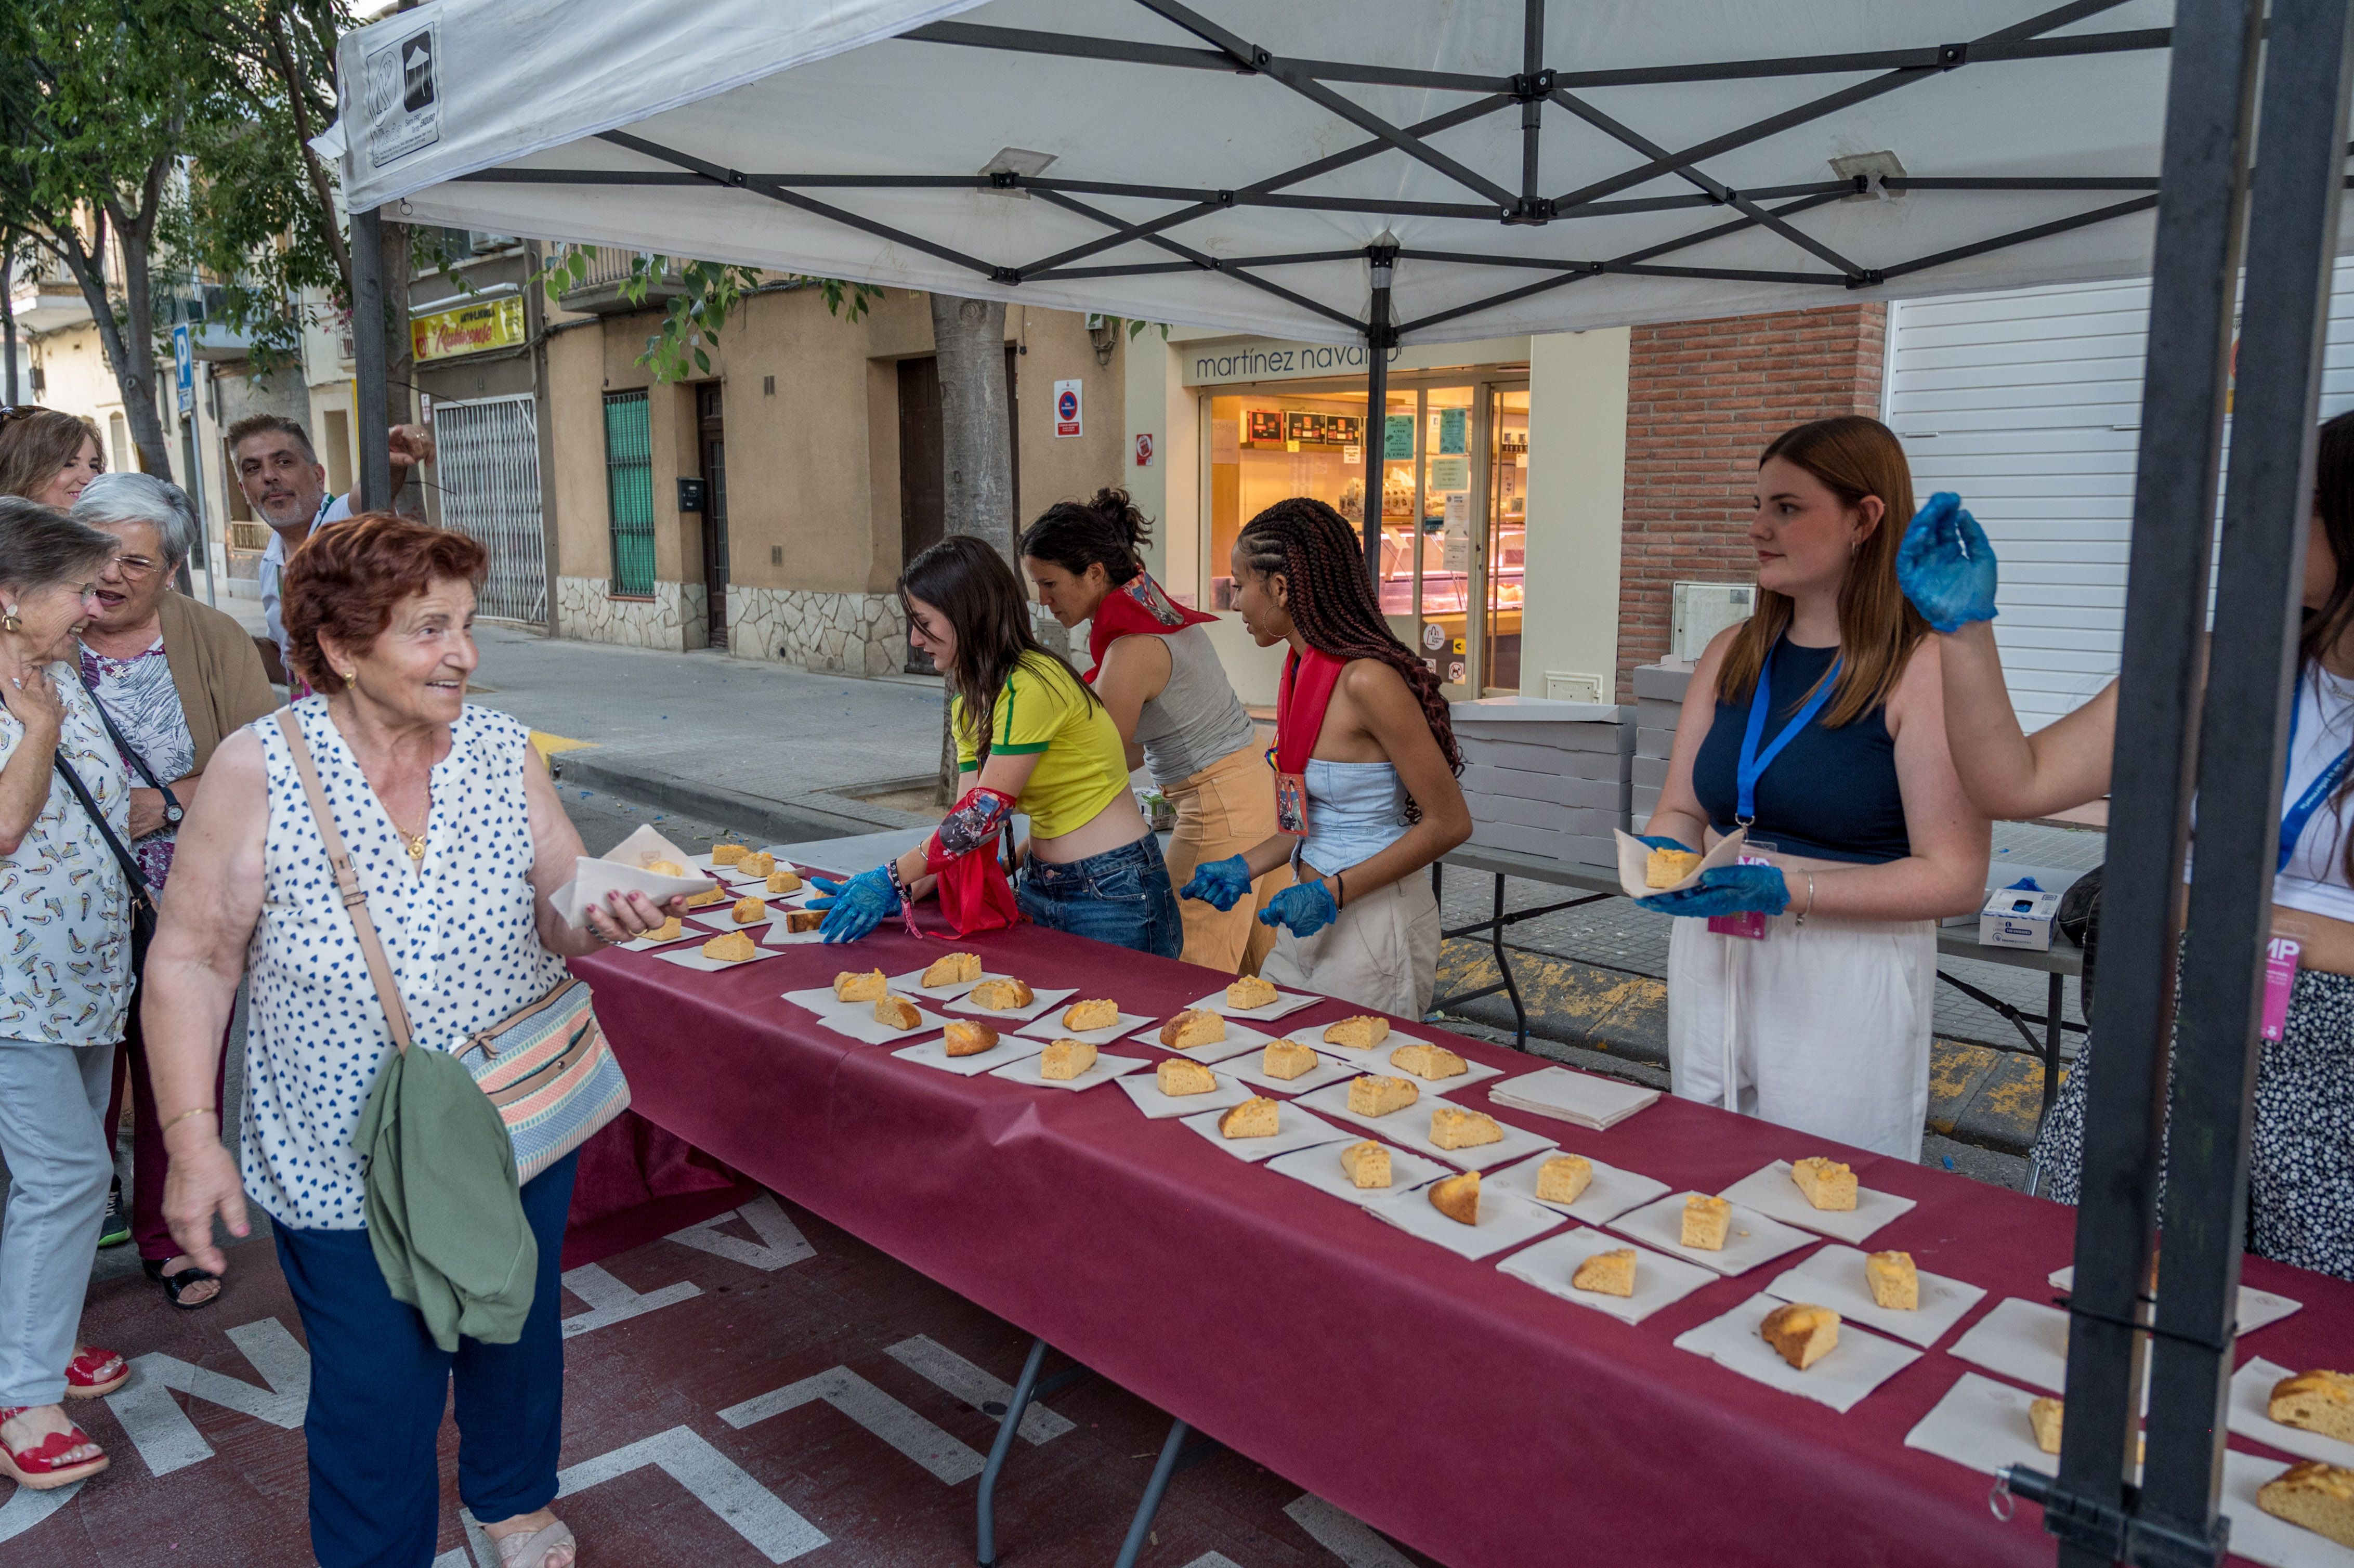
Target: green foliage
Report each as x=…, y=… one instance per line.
x=698, y=298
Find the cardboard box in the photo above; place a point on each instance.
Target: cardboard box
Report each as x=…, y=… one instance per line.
x=1543, y=814
x=1650, y=771
x=1607, y=766
x=2015, y=917
x=1645, y=802
x=1649, y=742
x=1561, y=789
x=1658, y=713
x=1541, y=721
x=1575, y=848
x=1665, y=681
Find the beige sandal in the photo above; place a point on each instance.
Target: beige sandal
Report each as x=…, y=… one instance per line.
x=521, y=1551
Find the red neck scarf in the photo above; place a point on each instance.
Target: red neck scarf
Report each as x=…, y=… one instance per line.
x=1138, y=605
x=1299, y=705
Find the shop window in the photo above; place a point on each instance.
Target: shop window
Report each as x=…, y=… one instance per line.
x=629, y=490
x=1266, y=446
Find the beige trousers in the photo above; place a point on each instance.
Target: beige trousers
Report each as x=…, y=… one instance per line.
x=1226, y=809
x=1382, y=952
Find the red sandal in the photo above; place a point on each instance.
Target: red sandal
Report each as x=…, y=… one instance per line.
x=43, y=1466
x=95, y=1371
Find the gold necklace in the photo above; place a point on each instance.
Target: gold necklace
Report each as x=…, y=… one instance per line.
x=413, y=842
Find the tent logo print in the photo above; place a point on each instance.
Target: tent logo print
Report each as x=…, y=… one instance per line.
x=417, y=72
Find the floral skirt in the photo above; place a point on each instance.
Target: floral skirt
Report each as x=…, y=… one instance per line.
x=2301, y=1161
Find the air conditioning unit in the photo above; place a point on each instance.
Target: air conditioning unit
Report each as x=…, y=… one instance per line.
x=1703, y=610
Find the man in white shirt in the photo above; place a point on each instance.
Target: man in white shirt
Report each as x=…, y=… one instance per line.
x=287, y=487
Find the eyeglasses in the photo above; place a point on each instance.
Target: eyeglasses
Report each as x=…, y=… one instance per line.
x=134, y=566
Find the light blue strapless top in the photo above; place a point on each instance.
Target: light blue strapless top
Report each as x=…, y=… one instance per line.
x=1355, y=811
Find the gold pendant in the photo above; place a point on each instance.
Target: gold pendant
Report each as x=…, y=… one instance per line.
x=413, y=842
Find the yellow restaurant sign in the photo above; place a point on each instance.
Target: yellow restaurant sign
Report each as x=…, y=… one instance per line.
x=468, y=328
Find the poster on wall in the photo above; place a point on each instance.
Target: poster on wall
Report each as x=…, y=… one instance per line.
x=1397, y=438
x=1450, y=473
x=1454, y=431
x=1067, y=409
x=1458, y=533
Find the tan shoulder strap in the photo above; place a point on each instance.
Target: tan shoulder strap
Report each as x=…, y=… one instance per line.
x=347, y=881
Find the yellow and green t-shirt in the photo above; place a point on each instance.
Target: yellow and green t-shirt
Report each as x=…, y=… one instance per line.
x=1043, y=711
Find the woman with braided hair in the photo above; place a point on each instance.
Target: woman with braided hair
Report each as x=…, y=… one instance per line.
x=1365, y=762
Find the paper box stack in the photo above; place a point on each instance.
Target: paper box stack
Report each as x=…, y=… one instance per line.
x=1546, y=778
x=1659, y=702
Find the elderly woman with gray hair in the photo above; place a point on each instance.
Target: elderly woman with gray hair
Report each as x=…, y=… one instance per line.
x=171, y=678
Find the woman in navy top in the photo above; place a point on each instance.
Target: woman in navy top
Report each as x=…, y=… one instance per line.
x=1818, y=725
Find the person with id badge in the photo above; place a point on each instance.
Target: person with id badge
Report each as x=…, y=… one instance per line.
x=1364, y=762
x=2301, y=1157
x=1801, y=980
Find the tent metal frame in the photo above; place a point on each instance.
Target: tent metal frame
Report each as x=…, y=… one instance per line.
x=2193, y=715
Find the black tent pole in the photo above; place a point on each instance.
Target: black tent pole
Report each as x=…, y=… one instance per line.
x=1383, y=255
x=368, y=367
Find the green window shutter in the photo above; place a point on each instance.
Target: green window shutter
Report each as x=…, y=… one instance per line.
x=629, y=490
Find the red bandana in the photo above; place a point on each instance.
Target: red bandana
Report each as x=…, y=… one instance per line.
x=1138, y=605
x=1299, y=705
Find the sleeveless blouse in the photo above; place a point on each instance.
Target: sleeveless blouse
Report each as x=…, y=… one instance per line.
x=1355, y=811
x=1831, y=794
x=457, y=931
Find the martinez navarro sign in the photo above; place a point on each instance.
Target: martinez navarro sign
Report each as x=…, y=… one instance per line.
x=1217, y=361
x=470, y=328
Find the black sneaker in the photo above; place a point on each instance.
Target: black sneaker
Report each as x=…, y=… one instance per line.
x=115, y=1229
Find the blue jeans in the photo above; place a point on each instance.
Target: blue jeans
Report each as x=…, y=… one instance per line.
x=1121, y=896
x=378, y=1384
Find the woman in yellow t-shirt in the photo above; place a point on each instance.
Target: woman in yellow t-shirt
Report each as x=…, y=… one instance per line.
x=1029, y=736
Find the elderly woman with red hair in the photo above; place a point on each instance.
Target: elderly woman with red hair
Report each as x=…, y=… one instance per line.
x=458, y=840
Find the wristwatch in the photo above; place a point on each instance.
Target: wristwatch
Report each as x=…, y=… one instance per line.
x=173, y=812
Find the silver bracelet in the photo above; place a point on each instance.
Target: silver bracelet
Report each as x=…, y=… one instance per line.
x=1810, y=899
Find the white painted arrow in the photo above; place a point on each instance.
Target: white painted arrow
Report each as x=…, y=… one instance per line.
x=977, y=1387
x=712, y=1479
x=780, y=1241
x=872, y=1408
x=27, y=1508
x=166, y=1439
x=611, y=1301
x=1343, y=1535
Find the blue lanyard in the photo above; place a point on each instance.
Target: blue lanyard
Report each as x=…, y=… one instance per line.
x=2293, y=820
x=1753, y=764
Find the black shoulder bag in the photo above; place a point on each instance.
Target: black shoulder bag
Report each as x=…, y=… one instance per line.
x=143, y=908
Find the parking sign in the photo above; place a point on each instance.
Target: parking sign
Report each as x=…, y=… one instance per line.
x=1066, y=408
x=184, y=368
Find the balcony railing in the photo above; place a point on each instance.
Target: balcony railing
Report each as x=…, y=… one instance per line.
x=598, y=292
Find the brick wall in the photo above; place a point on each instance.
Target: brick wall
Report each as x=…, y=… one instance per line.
x=1702, y=399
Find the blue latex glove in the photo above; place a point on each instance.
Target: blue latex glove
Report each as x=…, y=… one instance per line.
x=1219, y=882
x=1727, y=890
x=1307, y=907
x=856, y=906
x=1675, y=844
x=1945, y=565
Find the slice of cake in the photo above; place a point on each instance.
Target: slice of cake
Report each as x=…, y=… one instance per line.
x=897, y=1012
x=1665, y=867
x=2317, y=1496
x=1288, y=1059
x=670, y=930
x=952, y=969
x=784, y=879
x=1804, y=1334
x=852, y=986
x=1458, y=1198
x=759, y=863
x=968, y=1038
x=1176, y=1075
x=1250, y=992
x=665, y=868
x=1367, y=1163
x=729, y=854
x=1827, y=1183
x=1066, y=1059
x=748, y=910
x=735, y=948
x=804, y=919
x=1374, y=1095
x=1895, y=1284
x=1564, y=1177
x=1608, y=1273
x=1706, y=1222
x=706, y=899
x=1194, y=1026
x=2319, y=1402
x=2043, y=1418
x=1427, y=1061
x=1361, y=1034
x=1002, y=995
x=1451, y=1126
x=1100, y=1014
x=1257, y=1117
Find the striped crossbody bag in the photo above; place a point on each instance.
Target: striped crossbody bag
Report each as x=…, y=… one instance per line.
x=544, y=1066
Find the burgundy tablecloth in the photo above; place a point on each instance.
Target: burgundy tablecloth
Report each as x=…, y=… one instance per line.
x=1462, y=1411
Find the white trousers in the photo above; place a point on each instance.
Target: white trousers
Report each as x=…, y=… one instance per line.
x=1382, y=953
x=1824, y=1028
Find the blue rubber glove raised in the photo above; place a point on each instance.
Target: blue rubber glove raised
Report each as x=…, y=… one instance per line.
x=1677, y=845
x=1727, y=890
x=1307, y=907
x=856, y=906
x=1219, y=883
x=1945, y=566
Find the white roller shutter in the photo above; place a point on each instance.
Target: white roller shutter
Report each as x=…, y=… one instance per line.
x=2027, y=404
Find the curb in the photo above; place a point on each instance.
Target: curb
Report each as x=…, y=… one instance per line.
x=820, y=814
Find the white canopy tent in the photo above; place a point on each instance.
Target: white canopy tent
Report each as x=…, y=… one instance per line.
x=1393, y=170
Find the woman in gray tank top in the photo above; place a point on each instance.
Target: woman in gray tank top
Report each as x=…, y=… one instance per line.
x=1160, y=678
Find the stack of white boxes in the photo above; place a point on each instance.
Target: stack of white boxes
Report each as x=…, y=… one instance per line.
x=1658, y=702
x=1546, y=778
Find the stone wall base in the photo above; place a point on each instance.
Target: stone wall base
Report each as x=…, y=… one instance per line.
x=676, y=618
x=837, y=634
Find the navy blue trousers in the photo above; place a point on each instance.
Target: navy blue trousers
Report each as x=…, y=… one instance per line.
x=379, y=1384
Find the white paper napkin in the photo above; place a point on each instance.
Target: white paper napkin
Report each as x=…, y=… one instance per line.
x=1148, y=1098
x=1248, y=1067
x=1587, y=1099
x=821, y=1000
x=722, y=917
x=857, y=1020
x=2252, y=1394
x=1372, y=1059
x=911, y=986
x=1030, y=1070
x=686, y=933
x=1982, y=1425
x=1773, y=1194
x=1552, y=1264
x=1634, y=855
x=934, y=1054
x=1506, y=1220
x=1240, y=1037
x=778, y=937
x=1052, y=1029
x=689, y=955
x=1040, y=1001
x=593, y=880
x=2258, y=1308
x=1752, y=1239
x=1286, y=1001
x=1611, y=1193
x=1295, y=1129
x=1473, y=1072
x=1834, y=1277
x=1410, y=1129
x=1320, y=1168
x=732, y=871
x=2257, y=1535
x=2021, y=1339
x=1860, y=1362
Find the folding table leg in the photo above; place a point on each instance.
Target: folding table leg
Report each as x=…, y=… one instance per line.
x=1504, y=968
x=2055, y=996
x=985, y=1548
x=1174, y=1456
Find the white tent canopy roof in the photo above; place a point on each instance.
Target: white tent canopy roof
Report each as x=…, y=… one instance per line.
x=1689, y=157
